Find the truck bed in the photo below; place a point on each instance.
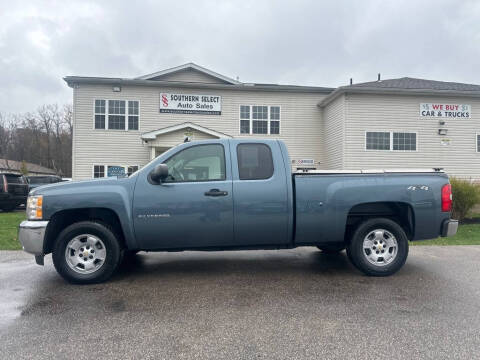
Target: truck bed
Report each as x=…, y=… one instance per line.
x=327, y=201
x=370, y=171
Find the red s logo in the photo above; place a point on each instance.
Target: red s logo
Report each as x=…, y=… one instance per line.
x=164, y=100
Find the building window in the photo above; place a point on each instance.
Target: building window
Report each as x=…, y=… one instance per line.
x=405, y=141
x=274, y=119
x=133, y=115
x=258, y=119
x=244, y=119
x=397, y=141
x=132, y=169
x=478, y=142
x=98, y=171
x=99, y=114
x=255, y=161
x=378, y=141
x=116, y=114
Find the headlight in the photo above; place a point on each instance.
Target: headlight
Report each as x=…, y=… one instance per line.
x=34, y=207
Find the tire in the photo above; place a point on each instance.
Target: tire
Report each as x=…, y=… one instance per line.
x=97, y=242
x=129, y=256
x=378, y=247
x=332, y=249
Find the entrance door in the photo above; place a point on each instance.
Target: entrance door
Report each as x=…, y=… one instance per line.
x=193, y=208
x=160, y=150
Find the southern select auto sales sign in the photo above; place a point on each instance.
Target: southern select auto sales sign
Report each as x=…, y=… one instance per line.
x=190, y=104
x=445, y=110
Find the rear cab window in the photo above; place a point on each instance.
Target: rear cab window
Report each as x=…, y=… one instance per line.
x=14, y=179
x=255, y=161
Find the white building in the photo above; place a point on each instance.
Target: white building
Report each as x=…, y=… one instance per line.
x=397, y=123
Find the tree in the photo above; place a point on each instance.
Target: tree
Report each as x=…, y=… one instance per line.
x=43, y=137
x=6, y=136
x=24, y=169
x=47, y=114
x=68, y=117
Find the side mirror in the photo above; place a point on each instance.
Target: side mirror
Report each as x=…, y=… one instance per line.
x=159, y=173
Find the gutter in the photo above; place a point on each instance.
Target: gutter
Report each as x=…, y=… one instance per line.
x=75, y=80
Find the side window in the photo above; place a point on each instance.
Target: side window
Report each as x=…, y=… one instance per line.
x=132, y=169
x=376, y=140
x=197, y=163
x=98, y=171
x=255, y=161
x=99, y=114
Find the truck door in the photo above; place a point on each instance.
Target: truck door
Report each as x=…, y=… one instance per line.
x=193, y=208
x=260, y=195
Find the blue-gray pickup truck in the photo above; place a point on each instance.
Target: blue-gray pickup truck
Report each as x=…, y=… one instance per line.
x=231, y=194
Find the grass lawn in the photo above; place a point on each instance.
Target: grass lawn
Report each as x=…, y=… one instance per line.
x=468, y=234
x=8, y=230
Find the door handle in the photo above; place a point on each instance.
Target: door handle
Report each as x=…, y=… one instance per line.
x=216, y=192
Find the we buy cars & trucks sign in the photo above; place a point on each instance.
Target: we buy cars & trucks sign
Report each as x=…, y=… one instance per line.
x=190, y=104
x=445, y=110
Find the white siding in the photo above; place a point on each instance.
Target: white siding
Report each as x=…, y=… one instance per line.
x=300, y=123
x=177, y=137
x=189, y=75
x=334, y=134
x=401, y=113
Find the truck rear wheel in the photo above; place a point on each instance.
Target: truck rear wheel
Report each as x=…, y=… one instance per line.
x=86, y=252
x=379, y=247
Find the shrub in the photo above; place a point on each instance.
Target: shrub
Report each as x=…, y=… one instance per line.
x=465, y=196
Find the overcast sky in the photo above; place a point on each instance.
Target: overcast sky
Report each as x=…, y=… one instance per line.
x=320, y=43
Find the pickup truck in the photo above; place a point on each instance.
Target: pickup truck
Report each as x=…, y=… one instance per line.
x=230, y=194
x=36, y=181
x=13, y=191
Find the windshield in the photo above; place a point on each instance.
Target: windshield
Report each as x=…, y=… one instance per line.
x=42, y=179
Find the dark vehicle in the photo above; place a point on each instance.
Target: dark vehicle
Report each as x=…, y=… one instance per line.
x=36, y=181
x=13, y=191
x=231, y=194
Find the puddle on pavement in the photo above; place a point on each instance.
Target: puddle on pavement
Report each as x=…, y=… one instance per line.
x=12, y=301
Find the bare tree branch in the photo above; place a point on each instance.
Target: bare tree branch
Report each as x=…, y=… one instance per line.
x=43, y=137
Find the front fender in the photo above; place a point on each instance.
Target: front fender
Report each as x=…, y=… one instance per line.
x=111, y=194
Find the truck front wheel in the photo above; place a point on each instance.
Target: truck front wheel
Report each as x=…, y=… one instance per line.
x=86, y=252
x=379, y=247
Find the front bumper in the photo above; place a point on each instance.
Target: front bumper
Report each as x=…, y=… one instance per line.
x=449, y=228
x=31, y=235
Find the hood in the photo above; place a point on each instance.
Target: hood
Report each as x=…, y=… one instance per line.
x=78, y=185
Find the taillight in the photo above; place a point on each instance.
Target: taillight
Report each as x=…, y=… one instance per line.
x=447, y=198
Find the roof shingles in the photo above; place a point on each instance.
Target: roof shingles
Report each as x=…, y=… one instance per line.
x=413, y=83
x=16, y=166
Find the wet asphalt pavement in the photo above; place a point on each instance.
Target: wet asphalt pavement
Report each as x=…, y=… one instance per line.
x=290, y=304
